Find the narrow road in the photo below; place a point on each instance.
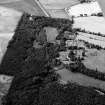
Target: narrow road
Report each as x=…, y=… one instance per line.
x=42, y=8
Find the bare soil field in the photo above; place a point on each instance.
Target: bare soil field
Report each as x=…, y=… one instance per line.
x=8, y=20
x=28, y=6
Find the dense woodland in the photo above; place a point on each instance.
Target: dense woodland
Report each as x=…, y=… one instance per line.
x=35, y=82
x=22, y=41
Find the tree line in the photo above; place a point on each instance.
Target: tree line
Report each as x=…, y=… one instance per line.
x=79, y=67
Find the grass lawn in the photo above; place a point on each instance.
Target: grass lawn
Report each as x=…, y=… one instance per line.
x=93, y=24
x=95, y=59
x=80, y=79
